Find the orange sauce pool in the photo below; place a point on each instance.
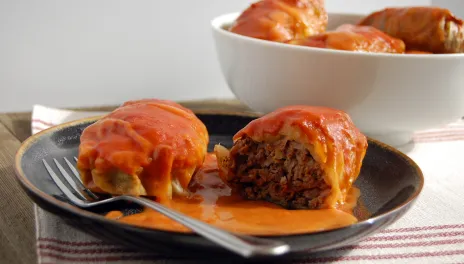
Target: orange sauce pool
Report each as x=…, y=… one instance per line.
x=213, y=202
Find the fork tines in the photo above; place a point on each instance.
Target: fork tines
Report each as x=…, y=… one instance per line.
x=73, y=180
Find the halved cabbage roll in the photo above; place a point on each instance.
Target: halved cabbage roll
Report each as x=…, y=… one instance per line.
x=146, y=147
x=299, y=157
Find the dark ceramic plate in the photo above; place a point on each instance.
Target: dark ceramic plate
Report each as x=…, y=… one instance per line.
x=389, y=183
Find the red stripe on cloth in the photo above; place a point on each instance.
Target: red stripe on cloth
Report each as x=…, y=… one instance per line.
x=370, y=246
x=457, y=128
x=99, y=259
x=450, y=131
x=438, y=139
x=405, y=245
x=73, y=243
x=382, y=257
x=415, y=236
x=43, y=122
x=39, y=128
x=376, y=238
x=421, y=228
x=454, y=132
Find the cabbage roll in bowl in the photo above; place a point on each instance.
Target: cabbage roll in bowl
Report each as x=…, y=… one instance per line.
x=428, y=28
x=282, y=20
x=354, y=38
x=146, y=147
x=299, y=157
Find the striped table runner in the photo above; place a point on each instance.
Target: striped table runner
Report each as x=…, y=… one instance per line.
x=431, y=232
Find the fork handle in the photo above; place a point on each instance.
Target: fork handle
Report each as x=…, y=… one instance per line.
x=243, y=245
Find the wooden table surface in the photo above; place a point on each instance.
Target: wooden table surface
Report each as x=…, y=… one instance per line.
x=17, y=223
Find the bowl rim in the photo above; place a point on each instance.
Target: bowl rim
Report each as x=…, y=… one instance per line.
x=75, y=210
x=219, y=22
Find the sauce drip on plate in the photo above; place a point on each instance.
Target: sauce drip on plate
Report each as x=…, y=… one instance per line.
x=214, y=202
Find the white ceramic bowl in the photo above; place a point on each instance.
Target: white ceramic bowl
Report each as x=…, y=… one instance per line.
x=388, y=96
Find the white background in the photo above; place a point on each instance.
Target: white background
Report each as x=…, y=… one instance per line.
x=99, y=52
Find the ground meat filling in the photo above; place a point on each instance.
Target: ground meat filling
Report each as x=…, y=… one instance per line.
x=281, y=172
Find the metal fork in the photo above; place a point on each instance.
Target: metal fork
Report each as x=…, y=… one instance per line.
x=243, y=245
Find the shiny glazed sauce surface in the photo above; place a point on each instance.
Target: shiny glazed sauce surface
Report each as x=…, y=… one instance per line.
x=214, y=202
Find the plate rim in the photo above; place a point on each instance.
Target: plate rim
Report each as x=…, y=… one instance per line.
x=75, y=210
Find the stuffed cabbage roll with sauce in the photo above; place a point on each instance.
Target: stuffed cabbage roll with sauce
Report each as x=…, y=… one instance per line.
x=299, y=157
x=429, y=29
x=354, y=38
x=282, y=20
x=146, y=147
